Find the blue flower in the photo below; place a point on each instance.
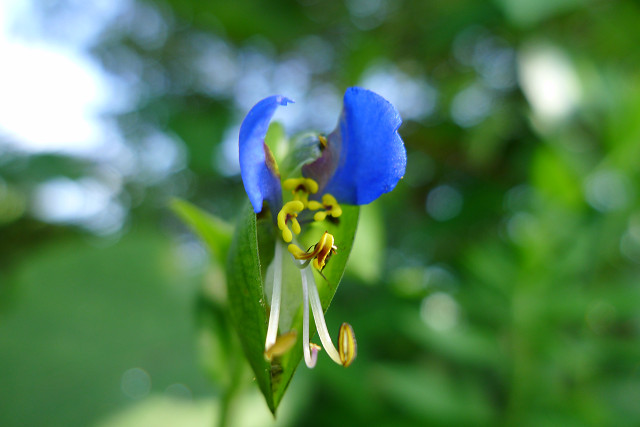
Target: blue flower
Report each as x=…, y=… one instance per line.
x=363, y=158
x=257, y=166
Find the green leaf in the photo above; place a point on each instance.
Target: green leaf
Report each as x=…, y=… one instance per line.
x=250, y=254
x=215, y=232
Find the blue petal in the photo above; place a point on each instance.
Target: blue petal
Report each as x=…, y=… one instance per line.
x=366, y=153
x=260, y=178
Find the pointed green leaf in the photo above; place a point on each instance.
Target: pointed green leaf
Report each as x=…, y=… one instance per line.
x=247, y=304
x=250, y=254
x=215, y=232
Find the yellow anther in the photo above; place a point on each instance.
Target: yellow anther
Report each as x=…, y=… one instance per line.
x=299, y=253
x=330, y=206
x=283, y=344
x=320, y=254
x=301, y=188
x=289, y=212
x=347, y=346
x=323, y=141
x=301, y=184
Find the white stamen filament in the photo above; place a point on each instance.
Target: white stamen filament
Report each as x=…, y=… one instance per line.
x=318, y=316
x=309, y=360
x=274, y=315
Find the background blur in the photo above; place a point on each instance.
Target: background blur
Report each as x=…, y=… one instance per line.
x=498, y=284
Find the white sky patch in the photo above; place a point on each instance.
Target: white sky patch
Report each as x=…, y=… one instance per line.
x=52, y=95
x=85, y=202
x=226, y=159
x=414, y=97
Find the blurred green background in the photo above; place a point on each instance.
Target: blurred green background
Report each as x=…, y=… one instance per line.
x=497, y=285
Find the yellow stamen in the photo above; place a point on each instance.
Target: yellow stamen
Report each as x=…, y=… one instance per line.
x=301, y=188
x=289, y=212
x=323, y=141
x=283, y=344
x=299, y=253
x=321, y=253
x=330, y=206
x=347, y=346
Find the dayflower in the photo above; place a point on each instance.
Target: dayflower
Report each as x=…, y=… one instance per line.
x=363, y=158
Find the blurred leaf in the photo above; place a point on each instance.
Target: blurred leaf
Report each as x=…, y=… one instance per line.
x=84, y=315
x=251, y=251
x=434, y=394
x=202, y=128
x=556, y=179
x=215, y=232
x=368, y=249
x=527, y=13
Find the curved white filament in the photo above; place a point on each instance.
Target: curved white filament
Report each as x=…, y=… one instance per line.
x=309, y=360
x=318, y=316
x=274, y=314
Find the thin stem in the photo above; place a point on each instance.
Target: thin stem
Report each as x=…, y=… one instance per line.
x=226, y=402
x=274, y=315
x=318, y=316
x=233, y=387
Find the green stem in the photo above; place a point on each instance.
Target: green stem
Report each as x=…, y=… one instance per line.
x=230, y=394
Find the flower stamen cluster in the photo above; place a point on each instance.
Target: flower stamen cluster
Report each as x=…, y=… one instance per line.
x=322, y=251
x=301, y=188
x=330, y=206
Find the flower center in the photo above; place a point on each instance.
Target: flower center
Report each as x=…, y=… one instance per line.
x=319, y=254
x=301, y=188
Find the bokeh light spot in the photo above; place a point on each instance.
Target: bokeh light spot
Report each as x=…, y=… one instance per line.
x=607, y=190
x=549, y=81
x=471, y=105
x=444, y=203
x=135, y=383
x=180, y=391
x=440, y=311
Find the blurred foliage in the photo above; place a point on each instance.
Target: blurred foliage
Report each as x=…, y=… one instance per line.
x=503, y=281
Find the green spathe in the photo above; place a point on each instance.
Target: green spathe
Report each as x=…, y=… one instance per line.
x=250, y=254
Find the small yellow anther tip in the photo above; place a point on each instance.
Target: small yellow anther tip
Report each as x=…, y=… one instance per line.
x=347, y=345
x=323, y=141
x=315, y=205
x=293, y=206
x=312, y=185
x=289, y=184
x=283, y=344
x=295, y=226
